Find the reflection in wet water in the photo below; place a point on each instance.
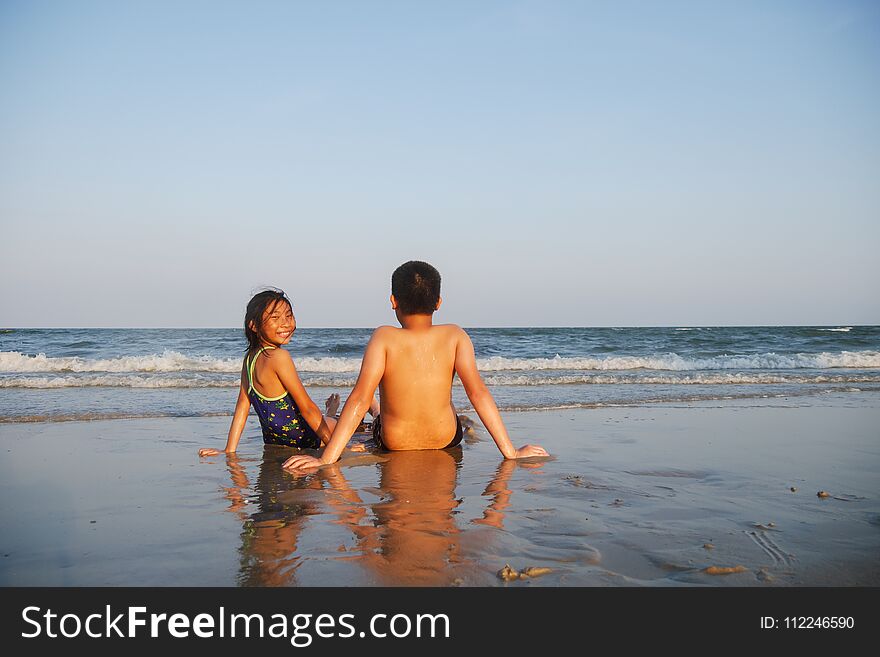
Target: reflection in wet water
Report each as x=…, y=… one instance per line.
x=413, y=538
x=270, y=530
x=447, y=518
x=402, y=531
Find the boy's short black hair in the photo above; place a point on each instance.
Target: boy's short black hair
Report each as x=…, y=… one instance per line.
x=416, y=286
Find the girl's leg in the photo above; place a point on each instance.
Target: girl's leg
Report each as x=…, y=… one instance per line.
x=331, y=406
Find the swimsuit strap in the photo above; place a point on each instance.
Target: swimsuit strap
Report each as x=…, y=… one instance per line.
x=250, y=369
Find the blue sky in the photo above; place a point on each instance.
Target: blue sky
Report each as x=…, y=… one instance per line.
x=561, y=163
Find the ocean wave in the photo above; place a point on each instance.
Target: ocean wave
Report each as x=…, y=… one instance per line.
x=677, y=363
x=465, y=408
x=12, y=362
x=153, y=381
x=498, y=380
x=698, y=379
x=168, y=361
x=330, y=364
x=132, y=381
x=841, y=329
x=329, y=381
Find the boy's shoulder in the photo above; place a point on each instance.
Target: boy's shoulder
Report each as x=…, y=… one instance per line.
x=452, y=329
x=390, y=332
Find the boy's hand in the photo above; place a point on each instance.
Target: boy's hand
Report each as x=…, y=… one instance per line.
x=530, y=450
x=302, y=462
x=210, y=451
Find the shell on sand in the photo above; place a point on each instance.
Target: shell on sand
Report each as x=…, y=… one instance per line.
x=724, y=570
x=535, y=571
x=508, y=574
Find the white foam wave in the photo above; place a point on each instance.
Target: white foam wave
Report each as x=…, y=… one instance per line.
x=132, y=381
x=175, y=362
x=168, y=361
x=328, y=364
x=700, y=379
x=311, y=381
x=841, y=329
x=674, y=362
x=329, y=381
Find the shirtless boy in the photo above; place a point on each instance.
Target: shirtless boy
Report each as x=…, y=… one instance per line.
x=413, y=367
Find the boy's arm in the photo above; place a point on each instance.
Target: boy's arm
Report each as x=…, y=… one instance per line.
x=356, y=406
x=484, y=404
x=283, y=366
x=239, y=419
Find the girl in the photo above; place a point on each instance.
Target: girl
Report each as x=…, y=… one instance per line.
x=270, y=383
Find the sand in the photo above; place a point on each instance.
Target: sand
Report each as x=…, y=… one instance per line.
x=686, y=495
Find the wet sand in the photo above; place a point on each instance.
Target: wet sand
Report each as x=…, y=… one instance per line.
x=650, y=496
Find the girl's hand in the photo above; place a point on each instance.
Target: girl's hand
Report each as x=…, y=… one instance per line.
x=302, y=462
x=210, y=451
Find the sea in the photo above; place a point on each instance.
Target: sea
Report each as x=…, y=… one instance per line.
x=76, y=374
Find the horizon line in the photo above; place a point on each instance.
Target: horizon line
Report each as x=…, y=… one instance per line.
x=368, y=328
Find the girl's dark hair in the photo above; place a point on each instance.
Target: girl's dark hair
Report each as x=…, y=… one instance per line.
x=256, y=307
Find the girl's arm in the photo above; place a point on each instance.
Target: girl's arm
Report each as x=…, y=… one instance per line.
x=284, y=368
x=239, y=419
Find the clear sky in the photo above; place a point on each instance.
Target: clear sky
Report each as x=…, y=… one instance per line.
x=561, y=163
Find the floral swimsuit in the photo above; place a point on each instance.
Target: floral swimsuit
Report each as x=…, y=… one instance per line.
x=280, y=418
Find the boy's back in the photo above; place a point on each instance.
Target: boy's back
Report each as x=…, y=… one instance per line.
x=413, y=367
x=416, y=385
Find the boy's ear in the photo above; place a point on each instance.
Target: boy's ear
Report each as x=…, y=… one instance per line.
x=393, y=303
x=439, y=303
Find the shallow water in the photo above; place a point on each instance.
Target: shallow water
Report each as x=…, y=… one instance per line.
x=70, y=374
x=630, y=497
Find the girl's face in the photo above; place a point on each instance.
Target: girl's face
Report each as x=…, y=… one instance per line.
x=278, y=324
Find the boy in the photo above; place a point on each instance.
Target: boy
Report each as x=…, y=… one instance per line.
x=413, y=366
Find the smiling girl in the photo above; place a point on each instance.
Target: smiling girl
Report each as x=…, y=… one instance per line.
x=270, y=383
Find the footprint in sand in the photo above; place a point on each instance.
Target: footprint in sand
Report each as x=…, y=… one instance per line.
x=771, y=548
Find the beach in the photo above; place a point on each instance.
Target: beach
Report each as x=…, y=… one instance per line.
x=645, y=240
x=644, y=495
